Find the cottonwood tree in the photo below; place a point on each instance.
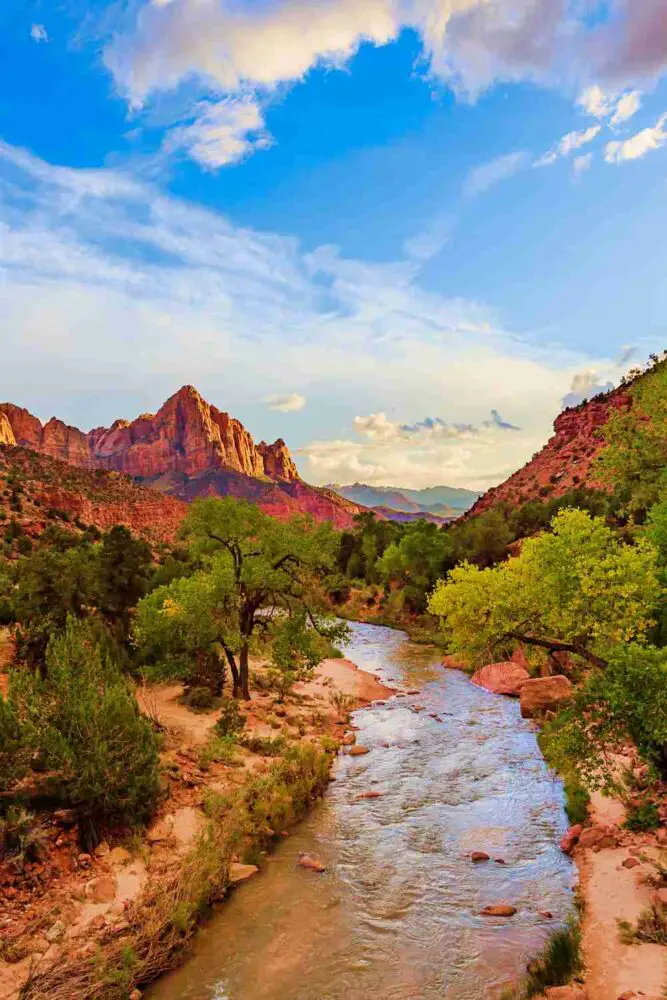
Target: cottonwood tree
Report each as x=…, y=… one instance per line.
x=257, y=573
x=577, y=589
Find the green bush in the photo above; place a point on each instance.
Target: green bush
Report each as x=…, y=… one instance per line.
x=81, y=718
x=577, y=800
x=642, y=817
x=559, y=962
x=199, y=699
x=21, y=836
x=231, y=720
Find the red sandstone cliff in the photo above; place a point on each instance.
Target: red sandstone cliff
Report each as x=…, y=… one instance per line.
x=188, y=448
x=566, y=461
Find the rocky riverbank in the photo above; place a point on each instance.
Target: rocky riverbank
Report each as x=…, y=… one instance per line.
x=97, y=925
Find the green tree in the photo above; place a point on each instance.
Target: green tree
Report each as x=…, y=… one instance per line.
x=120, y=573
x=415, y=561
x=576, y=589
x=257, y=570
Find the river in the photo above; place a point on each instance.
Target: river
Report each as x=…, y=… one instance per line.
x=396, y=914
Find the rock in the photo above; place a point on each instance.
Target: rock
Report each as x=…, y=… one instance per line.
x=55, y=932
x=135, y=995
x=545, y=914
x=102, y=850
x=161, y=831
x=598, y=837
x=6, y=432
x=660, y=897
x=501, y=678
x=571, y=838
x=241, y=873
x=358, y=751
x=64, y=817
x=368, y=795
x=478, y=856
x=102, y=890
x=572, y=992
x=543, y=693
x=119, y=856
x=314, y=864
x=498, y=910
x=500, y=861
x=349, y=739
x=631, y=862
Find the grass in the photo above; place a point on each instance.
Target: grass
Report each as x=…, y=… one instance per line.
x=165, y=919
x=642, y=817
x=559, y=962
x=651, y=926
x=218, y=750
x=577, y=800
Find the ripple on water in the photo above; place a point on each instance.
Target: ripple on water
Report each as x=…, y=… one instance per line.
x=396, y=915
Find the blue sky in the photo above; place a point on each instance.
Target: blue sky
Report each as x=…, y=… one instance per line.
x=361, y=227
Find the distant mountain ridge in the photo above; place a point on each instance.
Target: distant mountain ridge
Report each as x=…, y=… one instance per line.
x=435, y=502
x=187, y=449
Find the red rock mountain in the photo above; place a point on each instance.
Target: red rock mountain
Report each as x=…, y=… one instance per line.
x=566, y=460
x=187, y=449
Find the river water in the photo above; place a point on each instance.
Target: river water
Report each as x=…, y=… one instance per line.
x=396, y=914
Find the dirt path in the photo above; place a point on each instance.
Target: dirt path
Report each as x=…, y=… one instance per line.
x=611, y=893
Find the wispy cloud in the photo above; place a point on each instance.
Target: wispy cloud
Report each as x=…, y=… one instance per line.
x=286, y=404
x=627, y=106
x=221, y=132
x=581, y=164
x=38, y=33
x=486, y=176
x=638, y=145
x=568, y=144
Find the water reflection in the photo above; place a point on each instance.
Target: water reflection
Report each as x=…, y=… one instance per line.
x=396, y=915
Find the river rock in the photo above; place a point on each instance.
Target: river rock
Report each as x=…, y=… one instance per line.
x=349, y=739
x=571, y=838
x=542, y=694
x=631, y=863
x=369, y=795
x=478, y=856
x=314, y=864
x=599, y=837
x=358, y=751
x=498, y=910
x=502, y=678
x=241, y=873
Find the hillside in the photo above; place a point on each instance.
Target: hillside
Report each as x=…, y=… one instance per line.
x=567, y=459
x=187, y=449
x=36, y=490
x=442, y=501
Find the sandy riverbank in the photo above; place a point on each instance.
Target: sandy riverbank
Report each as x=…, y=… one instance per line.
x=72, y=905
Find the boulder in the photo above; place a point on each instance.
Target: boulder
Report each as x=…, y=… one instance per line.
x=542, y=694
x=314, y=864
x=598, y=837
x=502, y=678
x=119, y=856
x=349, y=739
x=241, y=873
x=571, y=839
x=358, y=751
x=498, y=910
x=631, y=862
x=369, y=795
x=478, y=856
x=102, y=890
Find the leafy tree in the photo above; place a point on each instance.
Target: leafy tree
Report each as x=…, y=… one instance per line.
x=576, y=589
x=635, y=459
x=256, y=571
x=415, y=562
x=120, y=574
x=81, y=720
x=627, y=701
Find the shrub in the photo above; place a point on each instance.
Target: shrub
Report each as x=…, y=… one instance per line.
x=21, y=836
x=199, y=699
x=577, y=799
x=231, y=720
x=559, y=962
x=642, y=817
x=651, y=926
x=82, y=719
x=218, y=750
x=265, y=746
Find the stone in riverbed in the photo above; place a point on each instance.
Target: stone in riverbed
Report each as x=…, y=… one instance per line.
x=502, y=678
x=478, y=856
x=314, y=864
x=241, y=873
x=541, y=694
x=349, y=739
x=571, y=838
x=369, y=795
x=598, y=837
x=358, y=751
x=498, y=910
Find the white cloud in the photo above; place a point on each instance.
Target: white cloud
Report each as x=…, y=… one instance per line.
x=429, y=242
x=480, y=179
x=627, y=106
x=286, y=404
x=99, y=265
x=221, y=133
x=38, y=33
x=638, y=145
x=567, y=145
x=581, y=164
x=594, y=101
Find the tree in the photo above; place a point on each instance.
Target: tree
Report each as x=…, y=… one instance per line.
x=121, y=569
x=635, y=459
x=576, y=589
x=257, y=571
x=415, y=561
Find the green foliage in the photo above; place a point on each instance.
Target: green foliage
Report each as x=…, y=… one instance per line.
x=626, y=702
x=265, y=746
x=21, y=836
x=635, y=458
x=558, y=964
x=576, y=585
x=81, y=719
x=577, y=800
x=218, y=750
x=121, y=569
x=651, y=926
x=644, y=816
x=231, y=720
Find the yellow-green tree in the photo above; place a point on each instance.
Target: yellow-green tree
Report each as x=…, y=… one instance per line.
x=576, y=589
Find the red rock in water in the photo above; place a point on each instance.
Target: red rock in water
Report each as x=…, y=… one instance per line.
x=501, y=678
x=571, y=839
x=314, y=864
x=498, y=910
x=187, y=449
x=478, y=856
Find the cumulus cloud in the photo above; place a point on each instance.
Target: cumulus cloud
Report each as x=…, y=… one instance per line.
x=38, y=33
x=286, y=404
x=489, y=174
x=638, y=145
x=628, y=105
x=221, y=132
x=235, y=49
x=584, y=386
x=99, y=264
x=567, y=145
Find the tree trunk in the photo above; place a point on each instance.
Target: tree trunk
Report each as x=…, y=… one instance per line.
x=234, y=670
x=243, y=669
